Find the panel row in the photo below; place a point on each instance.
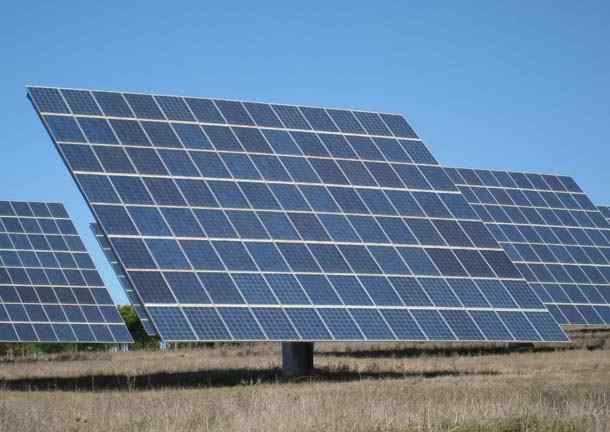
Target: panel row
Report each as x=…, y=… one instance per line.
x=528, y=198
x=210, y=164
x=246, y=195
x=572, y=293
x=551, y=253
x=83, y=333
x=54, y=295
x=50, y=276
x=321, y=324
x=162, y=135
x=513, y=180
x=41, y=242
x=540, y=216
x=40, y=226
x=47, y=259
x=297, y=227
x=569, y=314
x=36, y=312
x=33, y=209
x=310, y=257
x=550, y=236
x=306, y=289
x=189, y=109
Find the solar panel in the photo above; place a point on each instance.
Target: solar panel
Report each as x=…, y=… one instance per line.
x=553, y=233
x=50, y=290
x=247, y=221
x=132, y=296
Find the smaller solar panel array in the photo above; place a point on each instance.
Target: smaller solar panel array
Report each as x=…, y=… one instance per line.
x=50, y=290
x=554, y=234
x=131, y=294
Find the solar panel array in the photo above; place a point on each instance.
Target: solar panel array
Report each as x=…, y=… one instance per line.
x=250, y=221
x=553, y=233
x=50, y=290
x=132, y=296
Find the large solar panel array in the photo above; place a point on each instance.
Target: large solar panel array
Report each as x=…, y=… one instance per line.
x=132, y=296
x=554, y=234
x=250, y=221
x=50, y=290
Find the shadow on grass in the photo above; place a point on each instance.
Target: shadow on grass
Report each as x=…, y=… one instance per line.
x=419, y=351
x=208, y=378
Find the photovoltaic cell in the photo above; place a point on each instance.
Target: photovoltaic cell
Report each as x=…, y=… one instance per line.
x=50, y=290
x=557, y=238
x=294, y=223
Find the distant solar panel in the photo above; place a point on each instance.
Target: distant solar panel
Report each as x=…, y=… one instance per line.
x=50, y=290
x=248, y=221
x=605, y=211
x=553, y=233
x=124, y=282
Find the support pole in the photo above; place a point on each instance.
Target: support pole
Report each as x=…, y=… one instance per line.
x=297, y=358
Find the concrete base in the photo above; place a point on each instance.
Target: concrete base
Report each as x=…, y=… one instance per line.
x=297, y=358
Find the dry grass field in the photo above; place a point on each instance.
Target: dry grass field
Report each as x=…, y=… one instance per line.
x=357, y=387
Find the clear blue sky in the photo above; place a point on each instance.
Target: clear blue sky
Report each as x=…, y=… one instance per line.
x=486, y=85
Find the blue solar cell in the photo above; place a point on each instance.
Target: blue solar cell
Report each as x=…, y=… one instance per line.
x=380, y=290
x=161, y=134
x=491, y=326
x=204, y=110
x=201, y=255
x=174, y=108
x=64, y=129
x=262, y=114
x=144, y=106
x=278, y=226
x=433, y=325
x=398, y=125
x=171, y=323
x=287, y=289
x=207, y=323
x=48, y=100
x=254, y=288
x=462, y=325
x=308, y=324
x=81, y=102
x=440, y=292
x=346, y=121
x=519, y=325
x=372, y=324
x=234, y=112
x=319, y=119
x=113, y=104
x=402, y=324
x=418, y=152
x=275, y=324
x=241, y=323
x=341, y=324
x=192, y=136
x=319, y=290
x=372, y=123
x=220, y=288
x=291, y=117
x=252, y=140
x=129, y=132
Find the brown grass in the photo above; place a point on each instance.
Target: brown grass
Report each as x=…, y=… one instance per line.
x=358, y=388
